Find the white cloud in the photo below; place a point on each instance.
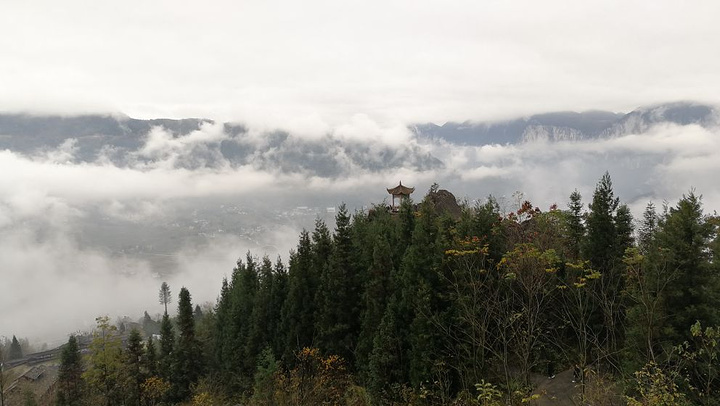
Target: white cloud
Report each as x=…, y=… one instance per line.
x=49, y=269
x=298, y=66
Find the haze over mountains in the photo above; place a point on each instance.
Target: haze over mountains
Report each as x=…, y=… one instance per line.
x=99, y=208
x=571, y=126
x=126, y=141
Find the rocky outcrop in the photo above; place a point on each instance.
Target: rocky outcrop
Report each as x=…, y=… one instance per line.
x=445, y=202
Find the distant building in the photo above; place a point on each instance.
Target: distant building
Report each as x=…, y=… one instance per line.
x=400, y=192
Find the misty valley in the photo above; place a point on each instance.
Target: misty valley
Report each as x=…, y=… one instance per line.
x=554, y=259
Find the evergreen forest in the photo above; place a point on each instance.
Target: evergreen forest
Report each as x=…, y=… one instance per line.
x=427, y=307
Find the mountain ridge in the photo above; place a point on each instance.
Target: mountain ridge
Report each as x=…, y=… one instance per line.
x=570, y=125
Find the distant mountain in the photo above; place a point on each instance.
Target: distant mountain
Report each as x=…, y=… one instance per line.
x=680, y=113
x=125, y=141
x=570, y=125
x=29, y=133
x=122, y=140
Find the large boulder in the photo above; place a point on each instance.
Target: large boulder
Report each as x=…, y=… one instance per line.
x=445, y=202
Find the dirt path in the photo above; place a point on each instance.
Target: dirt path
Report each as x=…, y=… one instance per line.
x=560, y=391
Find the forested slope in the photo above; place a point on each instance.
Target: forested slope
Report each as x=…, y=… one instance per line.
x=422, y=307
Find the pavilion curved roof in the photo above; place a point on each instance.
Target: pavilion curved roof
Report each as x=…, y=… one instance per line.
x=401, y=190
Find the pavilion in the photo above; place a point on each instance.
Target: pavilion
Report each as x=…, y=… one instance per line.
x=400, y=192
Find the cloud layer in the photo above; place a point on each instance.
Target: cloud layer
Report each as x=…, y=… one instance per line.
x=82, y=238
x=317, y=64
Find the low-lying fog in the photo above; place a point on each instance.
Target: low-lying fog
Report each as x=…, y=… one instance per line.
x=80, y=239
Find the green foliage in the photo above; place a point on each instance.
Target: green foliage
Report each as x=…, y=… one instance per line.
x=488, y=394
x=187, y=360
x=15, y=350
x=151, y=358
x=315, y=380
x=686, y=234
x=167, y=348
x=575, y=225
x=415, y=307
x=235, y=348
x=104, y=374
x=339, y=293
x=134, y=372
x=70, y=383
x=377, y=291
x=601, y=243
x=164, y=295
x=655, y=388
x=300, y=307
x=264, y=387
x=701, y=359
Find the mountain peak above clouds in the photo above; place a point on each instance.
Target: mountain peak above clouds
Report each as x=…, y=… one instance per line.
x=569, y=125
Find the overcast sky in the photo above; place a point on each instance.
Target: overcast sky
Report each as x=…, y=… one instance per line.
x=359, y=70
x=312, y=64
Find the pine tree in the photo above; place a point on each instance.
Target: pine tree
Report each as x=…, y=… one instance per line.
x=686, y=234
x=278, y=294
x=647, y=229
x=299, y=308
x=15, y=350
x=575, y=225
x=187, y=358
x=377, y=293
x=624, y=230
x=417, y=302
x=600, y=244
x=167, y=348
x=338, y=321
x=151, y=358
x=164, y=295
x=221, y=334
x=134, y=359
x=608, y=234
x=261, y=320
x=387, y=365
x=405, y=227
x=70, y=383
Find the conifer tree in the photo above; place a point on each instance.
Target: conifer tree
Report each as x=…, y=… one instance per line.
x=387, y=365
x=151, y=358
x=608, y=234
x=235, y=359
x=338, y=321
x=322, y=248
x=575, y=225
x=70, y=383
x=187, y=357
x=278, y=294
x=600, y=244
x=261, y=320
x=167, y=348
x=417, y=301
x=376, y=295
x=405, y=227
x=222, y=329
x=164, y=295
x=647, y=229
x=134, y=359
x=686, y=234
x=15, y=349
x=299, y=308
